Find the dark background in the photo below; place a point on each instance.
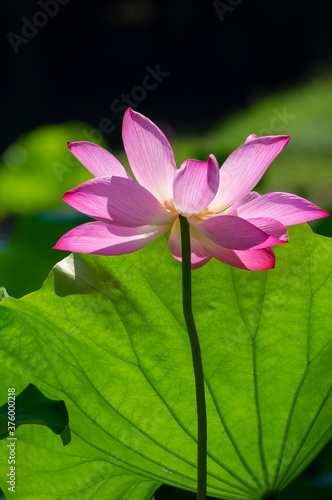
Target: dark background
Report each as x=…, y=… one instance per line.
x=91, y=52
x=80, y=60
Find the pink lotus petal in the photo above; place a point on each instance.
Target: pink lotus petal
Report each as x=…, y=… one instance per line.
x=252, y=260
x=271, y=227
x=244, y=168
x=199, y=256
x=97, y=160
x=250, y=138
x=195, y=185
x=287, y=208
x=150, y=155
x=119, y=200
x=106, y=239
x=235, y=233
x=233, y=209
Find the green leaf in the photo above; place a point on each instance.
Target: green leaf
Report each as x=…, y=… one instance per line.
x=32, y=407
x=107, y=335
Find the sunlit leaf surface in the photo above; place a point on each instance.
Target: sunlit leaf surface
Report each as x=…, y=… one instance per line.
x=107, y=335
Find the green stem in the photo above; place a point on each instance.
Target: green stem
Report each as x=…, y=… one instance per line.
x=197, y=359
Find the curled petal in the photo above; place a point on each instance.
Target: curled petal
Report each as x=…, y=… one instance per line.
x=150, y=155
x=244, y=168
x=119, y=200
x=199, y=255
x=233, y=210
x=250, y=138
x=235, y=233
x=195, y=185
x=97, y=160
x=253, y=260
x=107, y=239
x=270, y=226
x=287, y=208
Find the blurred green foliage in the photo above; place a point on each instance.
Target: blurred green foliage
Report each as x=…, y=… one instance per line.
x=38, y=168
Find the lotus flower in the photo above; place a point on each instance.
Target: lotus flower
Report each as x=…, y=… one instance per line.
x=227, y=220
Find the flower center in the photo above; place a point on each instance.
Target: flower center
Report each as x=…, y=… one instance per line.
x=169, y=205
